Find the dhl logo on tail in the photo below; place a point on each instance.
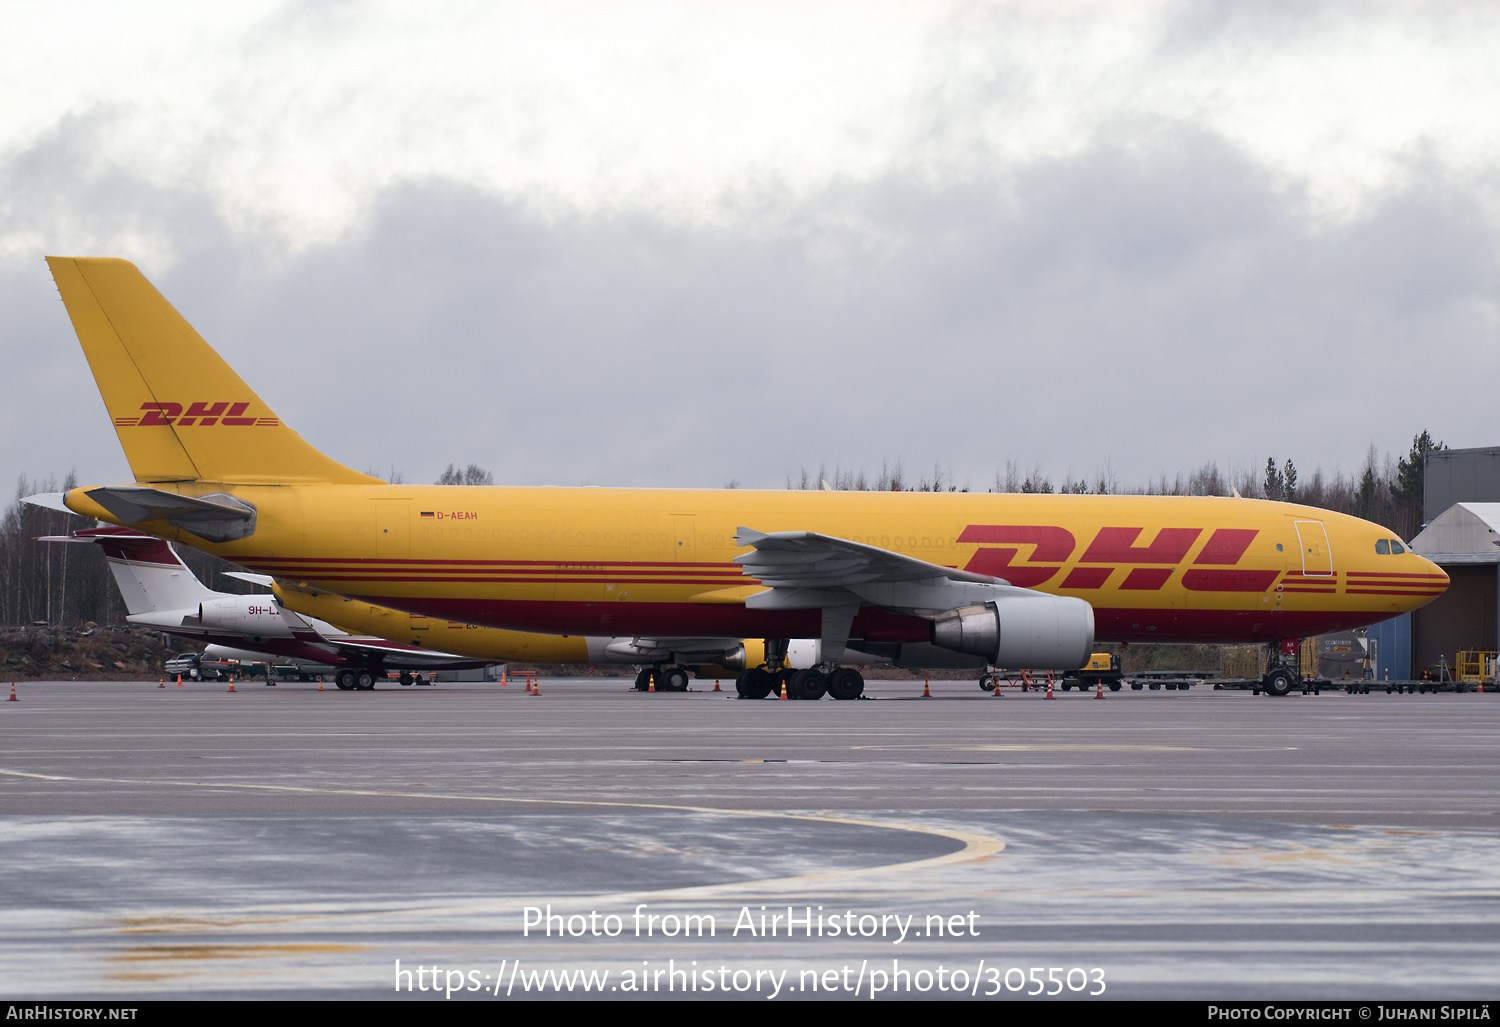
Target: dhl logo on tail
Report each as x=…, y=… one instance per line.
x=202, y=414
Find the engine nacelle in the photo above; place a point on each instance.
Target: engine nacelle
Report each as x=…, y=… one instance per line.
x=253, y=616
x=1036, y=631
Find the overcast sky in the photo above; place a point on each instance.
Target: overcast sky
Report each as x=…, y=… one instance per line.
x=675, y=244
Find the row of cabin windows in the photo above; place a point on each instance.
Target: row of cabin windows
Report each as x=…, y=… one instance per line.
x=1387, y=546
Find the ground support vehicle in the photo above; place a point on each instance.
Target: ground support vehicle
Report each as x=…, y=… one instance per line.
x=199, y=667
x=1171, y=680
x=1102, y=669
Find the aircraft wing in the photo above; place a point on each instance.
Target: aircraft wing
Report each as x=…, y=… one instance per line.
x=806, y=570
x=397, y=656
x=805, y=559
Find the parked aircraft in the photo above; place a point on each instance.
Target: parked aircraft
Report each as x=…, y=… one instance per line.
x=162, y=592
x=1019, y=580
x=359, y=642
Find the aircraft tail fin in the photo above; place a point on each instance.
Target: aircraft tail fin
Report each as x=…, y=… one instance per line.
x=151, y=576
x=180, y=411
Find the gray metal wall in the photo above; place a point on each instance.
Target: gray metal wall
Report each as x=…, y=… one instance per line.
x=1460, y=476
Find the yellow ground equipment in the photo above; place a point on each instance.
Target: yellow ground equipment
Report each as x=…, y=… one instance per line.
x=1475, y=667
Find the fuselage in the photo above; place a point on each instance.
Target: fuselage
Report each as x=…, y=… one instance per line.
x=621, y=562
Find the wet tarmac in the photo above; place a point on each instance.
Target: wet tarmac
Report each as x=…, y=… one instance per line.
x=186, y=842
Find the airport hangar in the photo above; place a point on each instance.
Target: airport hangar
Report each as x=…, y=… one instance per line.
x=1461, y=534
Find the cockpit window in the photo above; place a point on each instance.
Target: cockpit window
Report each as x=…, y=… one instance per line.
x=1383, y=547
x=1397, y=547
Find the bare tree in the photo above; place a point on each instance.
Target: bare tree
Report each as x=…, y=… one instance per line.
x=471, y=475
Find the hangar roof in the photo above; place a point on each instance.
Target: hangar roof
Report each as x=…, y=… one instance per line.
x=1464, y=533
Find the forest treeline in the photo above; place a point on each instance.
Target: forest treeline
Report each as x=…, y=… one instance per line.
x=57, y=583
x=1387, y=491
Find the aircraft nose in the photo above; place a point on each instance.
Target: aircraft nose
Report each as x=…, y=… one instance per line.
x=1426, y=583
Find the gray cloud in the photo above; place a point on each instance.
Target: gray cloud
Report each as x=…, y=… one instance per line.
x=1153, y=302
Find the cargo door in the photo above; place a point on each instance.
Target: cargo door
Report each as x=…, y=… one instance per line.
x=392, y=529
x=684, y=548
x=1317, y=554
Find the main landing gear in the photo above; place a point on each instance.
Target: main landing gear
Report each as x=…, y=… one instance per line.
x=354, y=680
x=808, y=683
x=665, y=679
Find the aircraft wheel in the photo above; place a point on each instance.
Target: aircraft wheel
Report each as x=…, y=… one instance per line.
x=755, y=683
x=643, y=679
x=807, y=684
x=673, y=679
x=1278, y=682
x=986, y=684
x=848, y=683
x=345, y=680
x=365, y=682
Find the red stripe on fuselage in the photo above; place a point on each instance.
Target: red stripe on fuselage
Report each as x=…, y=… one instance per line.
x=1227, y=581
x=657, y=619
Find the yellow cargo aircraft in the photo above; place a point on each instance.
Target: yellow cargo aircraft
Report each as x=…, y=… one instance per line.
x=1014, y=580
x=665, y=662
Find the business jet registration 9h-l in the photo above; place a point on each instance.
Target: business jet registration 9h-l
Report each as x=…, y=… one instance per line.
x=1016, y=580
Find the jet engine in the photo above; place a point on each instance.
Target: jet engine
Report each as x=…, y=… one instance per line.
x=1035, y=631
x=254, y=616
x=222, y=614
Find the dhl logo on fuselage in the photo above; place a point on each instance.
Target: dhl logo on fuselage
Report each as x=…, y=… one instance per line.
x=1113, y=548
x=202, y=414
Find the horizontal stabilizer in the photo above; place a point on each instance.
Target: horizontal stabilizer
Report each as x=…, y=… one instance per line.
x=49, y=501
x=217, y=517
x=254, y=579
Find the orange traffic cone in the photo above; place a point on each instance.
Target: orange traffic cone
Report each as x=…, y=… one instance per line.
x=231, y=682
x=718, y=689
x=320, y=684
x=1049, y=690
x=12, y=693
x=161, y=682
x=503, y=682
x=179, y=680
x=783, y=687
x=536, y=686
x=926, y=689
x=1100, y=694
x=995, y=692
x=651, y=683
